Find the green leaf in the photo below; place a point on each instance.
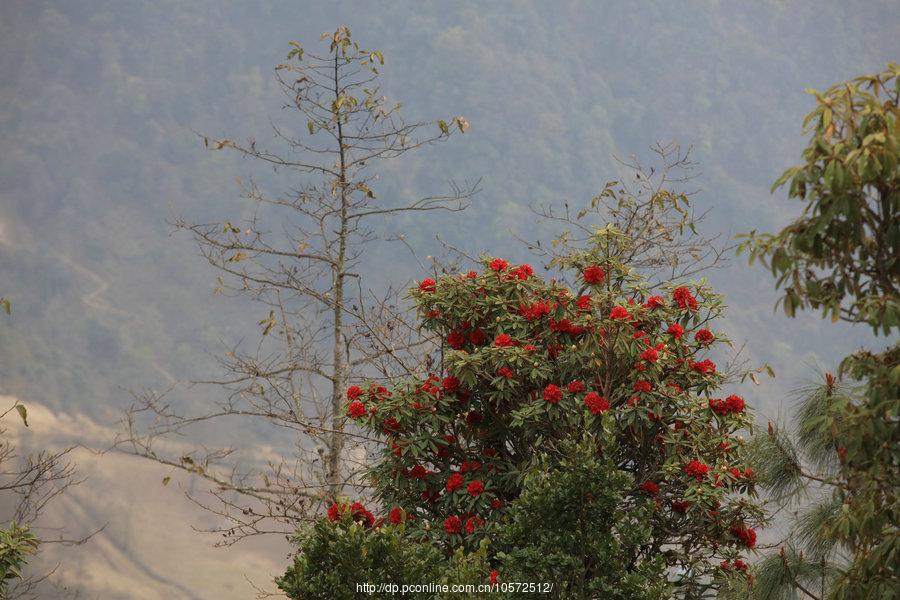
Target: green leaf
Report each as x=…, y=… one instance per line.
x=23, y=412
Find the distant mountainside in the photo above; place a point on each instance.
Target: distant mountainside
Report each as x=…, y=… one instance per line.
x=99, y=102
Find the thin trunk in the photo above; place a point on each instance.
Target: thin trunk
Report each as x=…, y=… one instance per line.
x=336, y=442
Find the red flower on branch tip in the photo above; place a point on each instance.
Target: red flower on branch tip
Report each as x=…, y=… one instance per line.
x=428, y=285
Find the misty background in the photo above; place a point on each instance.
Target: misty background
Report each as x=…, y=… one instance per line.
x=100, y=106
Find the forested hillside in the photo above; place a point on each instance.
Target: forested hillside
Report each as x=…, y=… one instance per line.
x=101, y=103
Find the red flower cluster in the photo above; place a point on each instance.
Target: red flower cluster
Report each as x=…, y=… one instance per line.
x=619, y=312
x=472, y=523
x=452, y=524
x=450, y=384
x=745, y=535
x=642, y=385
x=498, y=264
x=354, y=392
x=583, y=303
x=396, y=516
x=704, y=367
x=356, y=410
x=522, y=272
x=454, y=482
x=419, y=472
x=357, y=511
x=552, y=394
x=684, y=298
x=737, y=564
x=676, y=330
x=504, y=341
x=476, y=488
x=705, y=337
x=696, y=469
x=654, y=302
x=506, y=372
x=576, y=386
x=650, y=355
x=594, y=274
x=731, y=404
x=535, y=311
x=595, y=403
x=649, y=487
x=681, y=506
x=428, y=285
x=456, y=340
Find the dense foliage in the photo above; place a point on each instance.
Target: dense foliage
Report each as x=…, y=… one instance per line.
x=840, y=255
x=844, y=448
x=17, y=543
x=530, y=365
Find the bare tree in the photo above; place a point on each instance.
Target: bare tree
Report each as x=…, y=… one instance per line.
x=29, y=482
x=299, y=254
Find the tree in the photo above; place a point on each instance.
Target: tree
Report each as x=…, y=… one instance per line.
x=840, y=256
x=528, y=366
x=28, y=483
x=299, y=255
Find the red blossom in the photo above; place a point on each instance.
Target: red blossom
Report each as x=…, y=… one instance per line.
x=504, y=341
x=676, y=330
x=452, y=524
x=745, y=535
x=704, y=336
x=583, y=303
x=467, y=466
x=535, y=311
x=356, y=410
x=522, y=272
x=684, y=298
x=472, y=523
x=649, y=487
x=456, y=340
x=428, y=285
x=477, y=337
x=642, y=385
x=704, y=367
x=680, y=506
x=619, y=312
x=454, y=482
x=450, y=384
x=654, y=302
x=595, y=403
x=576, y=386
x=552, y=394
x=498, y=264
x=419, y=472
x=506, y=372
x=494, y=577
x=475, y=488
x=354, y=392
x=650, y=355
x=395, y=516
x=735, y=403
x=594, y=274
x=696, y=469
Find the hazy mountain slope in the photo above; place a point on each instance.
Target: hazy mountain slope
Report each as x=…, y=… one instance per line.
x=99, y=100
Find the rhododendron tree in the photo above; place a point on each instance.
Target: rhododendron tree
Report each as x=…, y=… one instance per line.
x=528, y=364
